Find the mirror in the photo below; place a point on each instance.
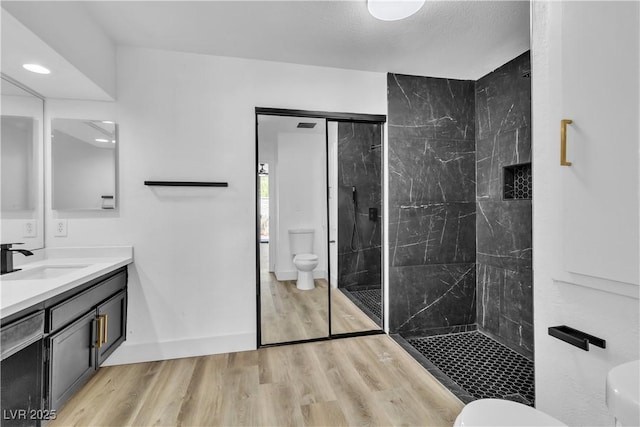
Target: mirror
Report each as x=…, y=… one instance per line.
x=21, y=156
x=293, y=206
x=84, y=159
x=320, y=242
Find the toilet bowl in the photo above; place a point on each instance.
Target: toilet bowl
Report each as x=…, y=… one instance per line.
x=301, y=246
x=499, y=413
x=305, y=263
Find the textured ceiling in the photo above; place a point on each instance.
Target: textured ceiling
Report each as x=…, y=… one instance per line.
x=455, y=39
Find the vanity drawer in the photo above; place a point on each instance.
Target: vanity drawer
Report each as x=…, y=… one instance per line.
x=68, y=311
x=21, y=333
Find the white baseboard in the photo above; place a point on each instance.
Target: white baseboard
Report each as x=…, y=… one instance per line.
x=147, y=352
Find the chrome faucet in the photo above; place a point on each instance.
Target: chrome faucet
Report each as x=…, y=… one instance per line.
x=6, y=257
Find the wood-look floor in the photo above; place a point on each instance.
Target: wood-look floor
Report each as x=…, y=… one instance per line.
x=289, y=314
x=367, y=380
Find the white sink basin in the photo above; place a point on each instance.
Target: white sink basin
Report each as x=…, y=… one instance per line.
x=43, y=272
x=623, y=394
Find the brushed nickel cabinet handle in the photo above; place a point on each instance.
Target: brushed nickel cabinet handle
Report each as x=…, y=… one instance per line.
x=563, y=142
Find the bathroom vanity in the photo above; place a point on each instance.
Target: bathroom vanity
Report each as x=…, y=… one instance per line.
x=62, y=317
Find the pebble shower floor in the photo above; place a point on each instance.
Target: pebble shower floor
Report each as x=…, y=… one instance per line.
x=480, y=365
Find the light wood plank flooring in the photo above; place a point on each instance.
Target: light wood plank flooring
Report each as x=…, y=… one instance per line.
x=367, y=380
x=289, y=314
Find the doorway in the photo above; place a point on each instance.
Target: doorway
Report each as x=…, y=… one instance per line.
x=319, y=197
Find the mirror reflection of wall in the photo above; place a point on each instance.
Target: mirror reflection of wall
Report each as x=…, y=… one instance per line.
x=83, y=156
x=21, y=163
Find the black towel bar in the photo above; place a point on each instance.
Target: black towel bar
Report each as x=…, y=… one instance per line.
x=187, y=183
x=576, y=337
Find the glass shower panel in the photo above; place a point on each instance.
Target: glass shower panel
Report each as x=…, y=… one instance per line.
x=355, y=215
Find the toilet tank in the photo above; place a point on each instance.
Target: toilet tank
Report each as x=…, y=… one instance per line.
x=301, y=241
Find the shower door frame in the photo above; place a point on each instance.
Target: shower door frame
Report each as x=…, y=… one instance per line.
x=379, y=119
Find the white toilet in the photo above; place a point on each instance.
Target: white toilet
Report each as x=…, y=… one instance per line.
x=301, y=247
x=499, y=413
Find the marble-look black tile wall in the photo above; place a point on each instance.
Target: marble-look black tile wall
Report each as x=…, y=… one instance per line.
x=432, y=251
x=504, y=269
x=359, y=166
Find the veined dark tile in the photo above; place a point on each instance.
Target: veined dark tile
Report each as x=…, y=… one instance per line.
x=432, y=107
x=360, y=267
x=503, y=98
x=432, y=170
x=490, y=284
x=493, y=154
x=516, y=301
x=504, y=306
x=431, y=296
x=359, y=167
x=504, y=233
x=441, y=233
x=517, y=332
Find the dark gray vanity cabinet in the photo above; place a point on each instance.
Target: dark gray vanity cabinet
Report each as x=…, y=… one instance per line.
x=114, y=313
x=72, y=359
x=49, y=350
x=83, y=331
x=21, y=366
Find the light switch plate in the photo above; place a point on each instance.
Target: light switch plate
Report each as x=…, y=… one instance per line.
x=30, y=228
x=60, y=228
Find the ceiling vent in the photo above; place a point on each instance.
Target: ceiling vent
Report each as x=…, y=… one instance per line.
x=306, y=125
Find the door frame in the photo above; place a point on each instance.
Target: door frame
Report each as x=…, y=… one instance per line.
x=380, y=119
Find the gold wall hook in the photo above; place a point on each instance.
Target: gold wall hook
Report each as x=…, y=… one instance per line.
x=563, y=142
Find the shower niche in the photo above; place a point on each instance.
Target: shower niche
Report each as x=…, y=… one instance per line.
x=517, y=181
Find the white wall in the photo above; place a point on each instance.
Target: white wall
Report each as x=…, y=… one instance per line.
x=301, y=198
x=570, y=383
x=191, y=117
x=60, y=24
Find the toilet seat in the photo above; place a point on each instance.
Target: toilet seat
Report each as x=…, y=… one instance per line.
x=503, y=413
x=305, y=257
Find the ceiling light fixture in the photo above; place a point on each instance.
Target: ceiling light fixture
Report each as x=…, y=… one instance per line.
x=101, y=140
x=393, y=10
x=35, y=68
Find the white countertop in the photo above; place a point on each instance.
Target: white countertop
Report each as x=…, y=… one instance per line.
x=16, y=295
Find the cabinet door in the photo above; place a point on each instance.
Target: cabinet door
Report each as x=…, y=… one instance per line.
x=599, y=93
x=72, y=359
x=21, y=386
x=114, y=312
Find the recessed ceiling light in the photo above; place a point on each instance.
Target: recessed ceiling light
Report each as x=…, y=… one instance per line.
x=102, y=140
x=35, y=68
x=393, y=10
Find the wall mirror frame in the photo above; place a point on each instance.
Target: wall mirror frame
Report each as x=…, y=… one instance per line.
x=22, y=169
x=84, y=164
x=318, y=183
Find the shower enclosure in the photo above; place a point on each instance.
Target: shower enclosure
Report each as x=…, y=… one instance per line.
x=460, y=197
